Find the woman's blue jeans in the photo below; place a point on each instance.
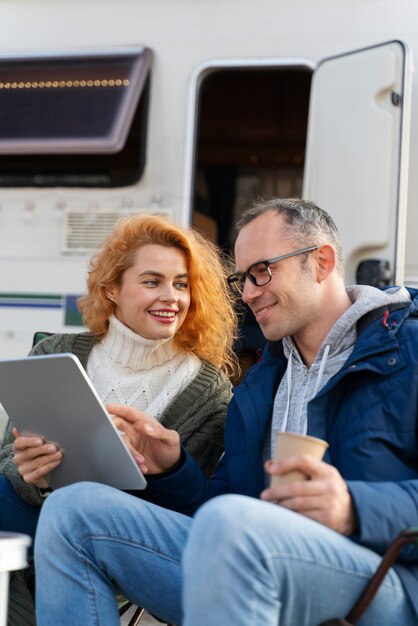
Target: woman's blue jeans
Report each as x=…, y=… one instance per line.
x=93, y=541
x=246, y=562
x=15, y=514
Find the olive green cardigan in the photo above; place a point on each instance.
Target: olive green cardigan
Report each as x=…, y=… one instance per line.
x=197, y=414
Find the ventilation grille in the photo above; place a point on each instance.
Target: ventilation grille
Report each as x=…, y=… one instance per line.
x=85, y=229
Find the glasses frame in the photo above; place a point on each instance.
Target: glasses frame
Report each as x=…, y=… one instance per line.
x=238, y=278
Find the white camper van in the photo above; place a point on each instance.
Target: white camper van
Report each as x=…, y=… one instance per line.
x=192, y=108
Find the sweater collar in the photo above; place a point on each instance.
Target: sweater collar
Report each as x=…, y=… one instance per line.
x=129, y=349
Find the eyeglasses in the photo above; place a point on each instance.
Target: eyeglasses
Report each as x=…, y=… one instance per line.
x=259, y=273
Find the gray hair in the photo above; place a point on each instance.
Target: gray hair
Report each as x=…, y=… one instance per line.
x=307, y=224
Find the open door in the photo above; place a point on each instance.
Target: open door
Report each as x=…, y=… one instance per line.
x=357, y=156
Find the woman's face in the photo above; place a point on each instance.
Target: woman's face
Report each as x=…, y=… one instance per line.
x=154, y=295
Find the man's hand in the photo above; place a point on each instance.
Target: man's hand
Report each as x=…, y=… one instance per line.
x=35, y=458
x=156, y=449
x=324, y=497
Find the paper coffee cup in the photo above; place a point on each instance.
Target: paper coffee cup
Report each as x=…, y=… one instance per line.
x=291, y=444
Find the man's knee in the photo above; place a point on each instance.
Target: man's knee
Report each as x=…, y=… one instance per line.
x=227, y=512
x=231, y=521
x=235, y=514
x=235, y=525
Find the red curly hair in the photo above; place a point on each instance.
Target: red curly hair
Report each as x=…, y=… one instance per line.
x=209, y=328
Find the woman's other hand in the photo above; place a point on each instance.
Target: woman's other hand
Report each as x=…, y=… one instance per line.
x=35, y=458
x=156, y=449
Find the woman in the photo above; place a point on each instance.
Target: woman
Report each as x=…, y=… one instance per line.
x=161, y=328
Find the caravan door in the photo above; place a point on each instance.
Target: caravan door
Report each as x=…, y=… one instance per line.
x=357, y=156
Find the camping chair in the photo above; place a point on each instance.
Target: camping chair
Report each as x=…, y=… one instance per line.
x=404, y=538
x=138, y=613
x=125, y=605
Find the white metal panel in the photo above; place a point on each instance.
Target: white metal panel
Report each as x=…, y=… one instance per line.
x=357, y=151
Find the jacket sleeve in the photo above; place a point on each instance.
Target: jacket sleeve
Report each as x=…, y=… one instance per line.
x=384, y=509
x=8, y=469
x=186, y=488
x=198, y=415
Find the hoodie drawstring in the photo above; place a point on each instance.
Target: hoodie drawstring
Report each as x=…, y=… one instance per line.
x=289, y=382
x=321, y=368
x=289, y=385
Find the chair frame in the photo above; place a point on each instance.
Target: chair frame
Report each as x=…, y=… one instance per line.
x=137, y=616
x=138, y=613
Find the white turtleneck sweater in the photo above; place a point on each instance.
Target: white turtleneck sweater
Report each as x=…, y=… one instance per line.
x=143, y=373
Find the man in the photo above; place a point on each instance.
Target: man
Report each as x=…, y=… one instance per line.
x=341, y=365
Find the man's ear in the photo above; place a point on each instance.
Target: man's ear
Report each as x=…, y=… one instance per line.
x=326, y=261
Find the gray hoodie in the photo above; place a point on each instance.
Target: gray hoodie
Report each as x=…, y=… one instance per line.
x=300, y=383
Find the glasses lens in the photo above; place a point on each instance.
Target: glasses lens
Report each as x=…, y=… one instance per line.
x=236, y=284
x=260, y=274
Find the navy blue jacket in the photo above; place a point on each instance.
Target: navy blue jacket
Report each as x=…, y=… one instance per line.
x=368, y=411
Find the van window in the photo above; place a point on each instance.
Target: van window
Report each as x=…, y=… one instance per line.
x=74, y=119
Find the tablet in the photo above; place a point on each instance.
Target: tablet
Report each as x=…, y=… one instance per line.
x=52, y=396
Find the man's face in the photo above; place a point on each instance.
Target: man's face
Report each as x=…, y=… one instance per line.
x=289, y=304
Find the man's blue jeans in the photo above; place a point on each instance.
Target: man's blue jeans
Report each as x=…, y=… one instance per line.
x=252, y=562
x=247, y=562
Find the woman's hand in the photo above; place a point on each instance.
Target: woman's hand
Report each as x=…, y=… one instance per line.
x=35, y=458
x=156, y=449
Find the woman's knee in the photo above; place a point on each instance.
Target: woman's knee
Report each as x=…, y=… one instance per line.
x=73, y=507
x=84, y=508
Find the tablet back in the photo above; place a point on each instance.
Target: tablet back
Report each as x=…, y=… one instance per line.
x=52, y=396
